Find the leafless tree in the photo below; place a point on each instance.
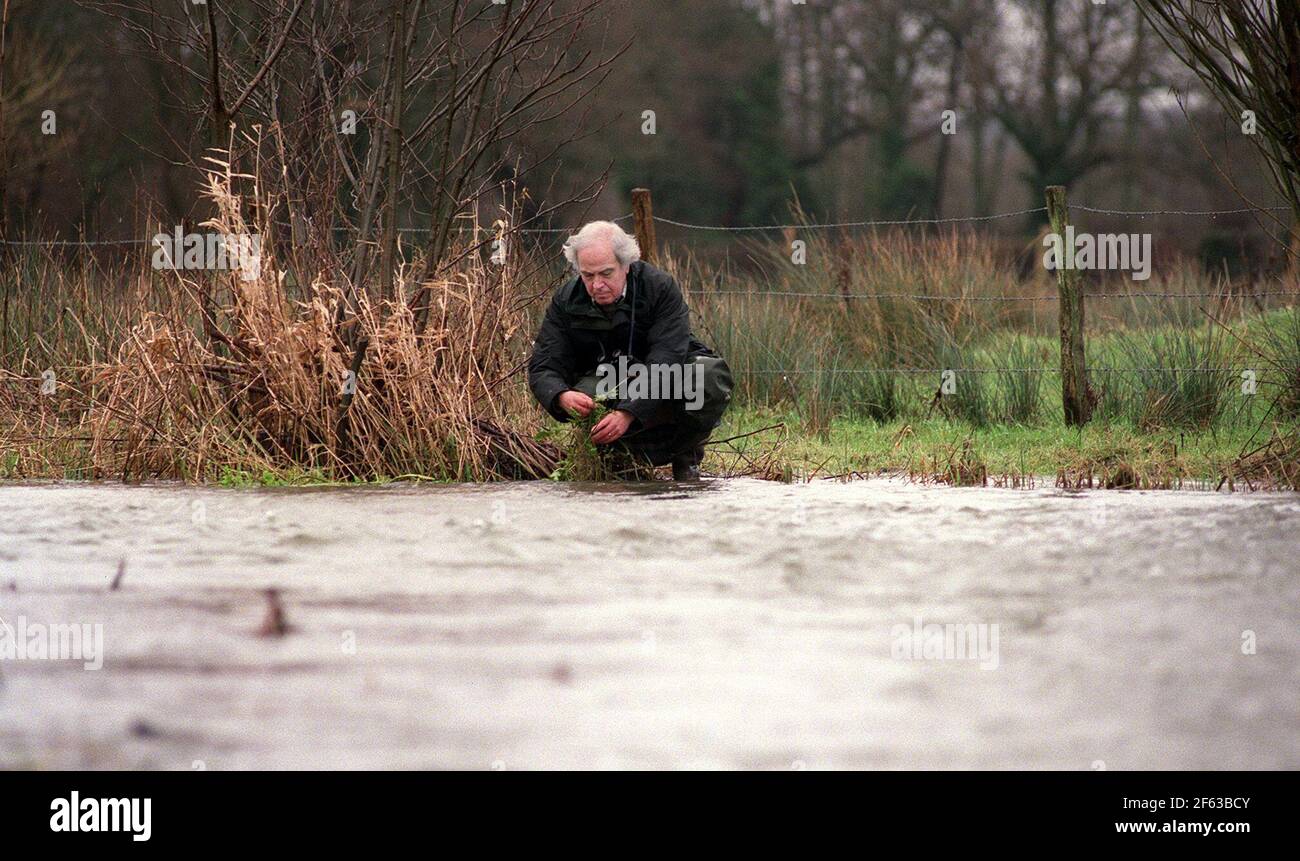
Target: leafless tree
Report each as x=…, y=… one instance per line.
x=372, y=116
x=38, y=82
x=1247, y=54
x=1057, y=92
x=963, y=23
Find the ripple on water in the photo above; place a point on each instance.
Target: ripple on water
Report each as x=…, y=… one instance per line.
x=304, y=540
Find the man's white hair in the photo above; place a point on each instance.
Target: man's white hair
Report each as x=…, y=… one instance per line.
x=626, y=250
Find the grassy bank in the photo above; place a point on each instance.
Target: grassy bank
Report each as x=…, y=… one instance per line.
x=1190, y=372
x=953, y=451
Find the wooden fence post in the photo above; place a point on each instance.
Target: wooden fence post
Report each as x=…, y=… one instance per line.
x=1075, y=395
x=644, y=220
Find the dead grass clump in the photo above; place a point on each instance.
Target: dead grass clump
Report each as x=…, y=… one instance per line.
x=756, y=454
x=1275, y=465
x=959, y=466
x=270, y=383
x=1129, y=468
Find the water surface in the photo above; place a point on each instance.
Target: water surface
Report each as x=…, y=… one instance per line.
x=737, y=624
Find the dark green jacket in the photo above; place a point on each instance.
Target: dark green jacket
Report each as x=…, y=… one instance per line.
x=576, y=336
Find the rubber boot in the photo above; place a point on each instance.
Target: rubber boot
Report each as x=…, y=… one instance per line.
x=686, y=466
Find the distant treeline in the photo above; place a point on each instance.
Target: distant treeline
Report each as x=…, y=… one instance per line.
x=729, y=110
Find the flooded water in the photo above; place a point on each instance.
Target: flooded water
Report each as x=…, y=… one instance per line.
x=737, y=624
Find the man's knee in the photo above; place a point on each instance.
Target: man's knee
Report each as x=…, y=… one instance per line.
x=714, y=385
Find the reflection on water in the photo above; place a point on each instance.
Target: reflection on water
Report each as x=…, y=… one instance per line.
x=731, y=624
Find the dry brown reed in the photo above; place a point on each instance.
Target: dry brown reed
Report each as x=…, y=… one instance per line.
x=233, y=373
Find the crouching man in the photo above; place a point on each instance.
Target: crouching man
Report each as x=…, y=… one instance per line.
x=620, y=331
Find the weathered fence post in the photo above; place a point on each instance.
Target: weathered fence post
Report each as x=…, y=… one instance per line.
x=1074, y=372
x=644, y=221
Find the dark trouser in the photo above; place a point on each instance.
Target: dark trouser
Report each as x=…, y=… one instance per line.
x=675, y=430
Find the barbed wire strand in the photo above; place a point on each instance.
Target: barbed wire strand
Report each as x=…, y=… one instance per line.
x=1142, y=213
x=723, y=228
x=11, y=377
x=285, y=224
x=842, y=224
x=74, y=242
x=1049, y=298
x=796, y=371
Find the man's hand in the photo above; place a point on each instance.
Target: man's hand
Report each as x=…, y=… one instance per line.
x=611, y=427
x=575, y=403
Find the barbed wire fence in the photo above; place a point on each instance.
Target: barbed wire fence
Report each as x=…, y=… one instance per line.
x=1070, y=297
x=644, y=222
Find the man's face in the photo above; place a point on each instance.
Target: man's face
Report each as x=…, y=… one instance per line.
x=601, y=273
